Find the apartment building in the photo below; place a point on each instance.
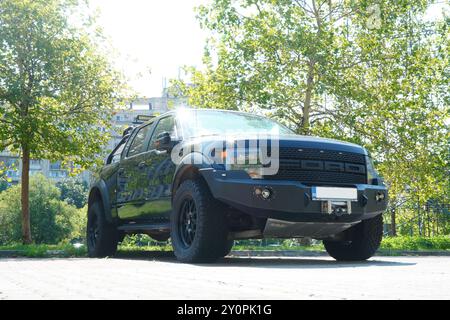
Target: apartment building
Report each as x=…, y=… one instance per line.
x=122, y=119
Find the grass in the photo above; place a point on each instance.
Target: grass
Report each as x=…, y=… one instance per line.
x=45, y=250
x=389, y=246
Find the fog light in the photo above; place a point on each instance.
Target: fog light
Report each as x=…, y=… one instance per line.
x=266, y=193
x=380, y=196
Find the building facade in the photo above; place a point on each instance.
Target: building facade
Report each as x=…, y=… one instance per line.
x=121, y=120
x=126, y=117
x=13, y=166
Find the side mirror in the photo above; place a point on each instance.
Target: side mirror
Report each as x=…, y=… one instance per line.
x=163, y=141
x=127, y=131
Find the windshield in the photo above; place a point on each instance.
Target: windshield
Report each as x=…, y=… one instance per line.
x=214, y=122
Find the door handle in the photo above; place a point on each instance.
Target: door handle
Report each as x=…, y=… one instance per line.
x=142, y=165
x=160, y=152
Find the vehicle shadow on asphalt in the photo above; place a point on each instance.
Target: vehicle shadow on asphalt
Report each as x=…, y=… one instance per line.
x=264, y=262
x=303, y=263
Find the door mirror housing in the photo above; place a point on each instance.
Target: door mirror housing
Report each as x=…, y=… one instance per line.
x=163, y=141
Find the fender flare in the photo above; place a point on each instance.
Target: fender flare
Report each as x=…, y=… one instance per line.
x=200, y=162
x=101, y=188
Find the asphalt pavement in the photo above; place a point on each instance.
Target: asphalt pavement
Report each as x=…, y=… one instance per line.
x=160, y=276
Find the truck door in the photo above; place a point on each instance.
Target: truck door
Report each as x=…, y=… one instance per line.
x=130, y=187
x=159, y=172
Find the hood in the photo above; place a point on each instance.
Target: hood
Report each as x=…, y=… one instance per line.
x=289, y=141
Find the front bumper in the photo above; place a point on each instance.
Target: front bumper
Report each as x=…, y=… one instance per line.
x=290, y=200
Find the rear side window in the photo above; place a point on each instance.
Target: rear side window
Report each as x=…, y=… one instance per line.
x=116, y=157
x=138, y=141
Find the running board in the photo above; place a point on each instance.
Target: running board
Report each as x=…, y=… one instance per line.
x=155, y=227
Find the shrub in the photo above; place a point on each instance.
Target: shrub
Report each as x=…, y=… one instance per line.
x=52, y=220
x=74, y=192
x=78, y=222
x=416, y=243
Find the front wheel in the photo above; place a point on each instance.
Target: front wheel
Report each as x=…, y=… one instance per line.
x=198, y=224
x=362, y=242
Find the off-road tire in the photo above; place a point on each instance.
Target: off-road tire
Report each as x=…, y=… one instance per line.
x=363, y=240
x=209, y=240
x=104, y=244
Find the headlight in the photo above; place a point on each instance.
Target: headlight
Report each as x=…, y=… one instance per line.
x=253, y=170
x=248, y=161
x=240, y=160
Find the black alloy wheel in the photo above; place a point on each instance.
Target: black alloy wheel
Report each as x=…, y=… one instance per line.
x=188, y=222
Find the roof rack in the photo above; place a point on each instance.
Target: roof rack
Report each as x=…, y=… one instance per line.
x=141, y=118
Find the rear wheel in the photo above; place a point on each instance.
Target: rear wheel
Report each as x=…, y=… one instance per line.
x=227, y=249
x=102, y=237
x=198, y=224
x=363, y=240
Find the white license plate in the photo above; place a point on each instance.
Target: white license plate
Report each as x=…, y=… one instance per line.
x=334, y=193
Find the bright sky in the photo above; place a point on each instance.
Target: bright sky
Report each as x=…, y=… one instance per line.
x=159, y=35
x=156, y=35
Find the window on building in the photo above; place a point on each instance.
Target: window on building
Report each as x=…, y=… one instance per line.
x=58, y=174
x=55, y=165
x=35, y=163
x=12, y=173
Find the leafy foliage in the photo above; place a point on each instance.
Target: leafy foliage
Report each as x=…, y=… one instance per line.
x=369, y=72
x=52, y=220
x=4, y=180
x=416, y=243
x=56, y=84
x=74, y=192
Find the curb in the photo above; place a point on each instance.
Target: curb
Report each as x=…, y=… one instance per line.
x=21, y=254
x=10, y=253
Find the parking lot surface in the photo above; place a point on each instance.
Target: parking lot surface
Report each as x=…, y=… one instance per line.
x=160, y=276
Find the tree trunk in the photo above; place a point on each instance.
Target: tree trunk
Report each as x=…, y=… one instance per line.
x=419, y=220
x=26, y=228
x=308, y=97
x=393, y=223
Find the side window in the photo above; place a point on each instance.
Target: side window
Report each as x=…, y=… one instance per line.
x=116, y=156
x=164, y=125
x=138, y=141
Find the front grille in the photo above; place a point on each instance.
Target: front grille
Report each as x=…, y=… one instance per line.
x=318, y=154
x=316, y=166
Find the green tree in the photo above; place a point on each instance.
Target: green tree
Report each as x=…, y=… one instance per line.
x=4, y=183
x=52, y=220
x=74, y=192
x=57, y=86
x=398, y=105
x=370, y=72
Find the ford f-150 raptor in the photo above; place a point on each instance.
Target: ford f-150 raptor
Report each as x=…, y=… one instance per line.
x=204, y=178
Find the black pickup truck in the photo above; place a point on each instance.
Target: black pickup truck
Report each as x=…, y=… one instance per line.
x=205, y=178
